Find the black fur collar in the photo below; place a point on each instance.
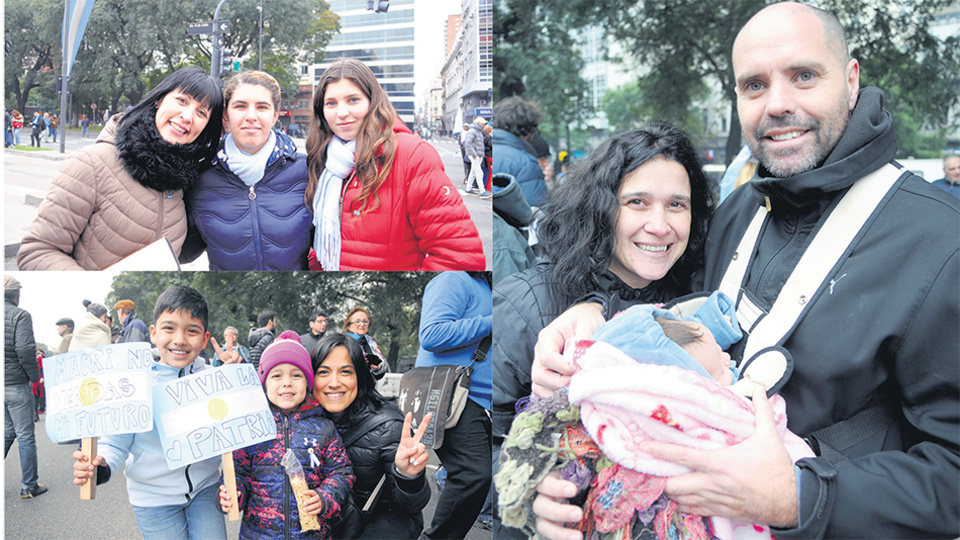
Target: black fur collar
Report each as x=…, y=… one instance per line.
x=154, y=162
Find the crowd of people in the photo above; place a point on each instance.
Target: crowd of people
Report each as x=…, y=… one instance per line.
x=364, y=464
x=207, y=170
x=802, y=331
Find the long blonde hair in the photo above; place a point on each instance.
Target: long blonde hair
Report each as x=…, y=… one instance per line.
x=376, y=142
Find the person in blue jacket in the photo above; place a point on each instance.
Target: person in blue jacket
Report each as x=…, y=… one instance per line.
x=457, y=313
x=516, y=123
x=247, y=209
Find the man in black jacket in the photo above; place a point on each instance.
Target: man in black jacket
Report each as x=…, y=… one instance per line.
x=20, y=368
x=875, y=347
x=261, y=336
x=318, y=325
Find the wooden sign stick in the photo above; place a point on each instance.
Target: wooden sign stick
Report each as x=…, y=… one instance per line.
x=88, y=491
x=230, y=481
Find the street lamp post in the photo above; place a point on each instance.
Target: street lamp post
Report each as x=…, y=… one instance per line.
x=215, y=53
x=260, y=51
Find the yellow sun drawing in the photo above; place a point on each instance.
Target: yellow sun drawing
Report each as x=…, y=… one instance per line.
x=90, y=391
x=217, y=409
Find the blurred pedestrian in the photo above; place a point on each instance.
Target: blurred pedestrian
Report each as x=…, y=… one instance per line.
x=19, y=371
x=474, y=149
x=951, y=176
x=39, y=396
x=65, y=331
x=84, y=127
x=262, y=335
x=232, y=351
x=133, y=329
x=17, y=122
x=357, y=326
x=94, y=329
x=456, y=317
x=317, y=327
x=7, y=129
x=517, y=121
x=37, y=131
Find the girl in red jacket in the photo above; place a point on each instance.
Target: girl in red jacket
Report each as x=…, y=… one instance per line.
x=379, y=195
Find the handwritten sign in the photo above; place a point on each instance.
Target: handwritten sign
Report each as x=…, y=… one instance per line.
x=210, y=413
x=99, y=391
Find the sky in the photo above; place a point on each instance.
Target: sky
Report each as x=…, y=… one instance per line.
x=429, y=21
x=48, y=296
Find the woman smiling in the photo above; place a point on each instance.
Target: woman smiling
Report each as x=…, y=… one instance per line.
x=247, y=208
x=378, y=441
x=379, y=196
x=125, y=192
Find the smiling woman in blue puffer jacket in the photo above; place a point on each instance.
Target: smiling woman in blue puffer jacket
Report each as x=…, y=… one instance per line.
x=247, y=208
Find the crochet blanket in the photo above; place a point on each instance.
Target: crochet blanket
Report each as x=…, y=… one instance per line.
x=614, y=404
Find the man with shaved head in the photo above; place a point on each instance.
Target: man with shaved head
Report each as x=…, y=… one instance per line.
x=875, y=388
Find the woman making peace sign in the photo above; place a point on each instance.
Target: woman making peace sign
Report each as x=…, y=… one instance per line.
x=378, y=442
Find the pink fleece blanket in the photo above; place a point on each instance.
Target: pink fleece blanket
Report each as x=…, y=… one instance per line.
x=623, y=403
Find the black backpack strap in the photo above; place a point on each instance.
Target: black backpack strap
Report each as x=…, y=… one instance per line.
x=833, y=441
x=480, y=354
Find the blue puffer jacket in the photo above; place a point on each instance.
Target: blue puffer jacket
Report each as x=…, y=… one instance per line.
x=262, y=227
x=511, y=157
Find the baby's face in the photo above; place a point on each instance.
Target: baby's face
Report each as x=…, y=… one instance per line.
x=710, y=355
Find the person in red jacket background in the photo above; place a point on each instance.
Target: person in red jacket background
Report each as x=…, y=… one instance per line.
x=379, y=195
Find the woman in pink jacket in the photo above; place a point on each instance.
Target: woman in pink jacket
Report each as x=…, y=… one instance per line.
x=379, y=195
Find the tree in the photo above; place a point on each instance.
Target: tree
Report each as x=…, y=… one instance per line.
x=684, y=43
x=31, y=46
x=236, y=298
x=535, y=56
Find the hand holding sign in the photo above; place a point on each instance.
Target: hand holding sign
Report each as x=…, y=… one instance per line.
x=411, y=457
x=83, y=469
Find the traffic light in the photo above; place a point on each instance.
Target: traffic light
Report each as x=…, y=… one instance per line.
x=378, y=6
x=226, y=61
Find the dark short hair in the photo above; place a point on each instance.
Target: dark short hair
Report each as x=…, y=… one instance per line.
x=66, y=321
x=194, y=82
x=516, y=115
x=317, y=314
x=680, y=332
x=368, y=398
x=578, y=232
x=264, y=317
x=181, y=297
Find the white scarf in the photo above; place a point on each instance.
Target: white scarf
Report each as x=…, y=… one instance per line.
x=326, y=201
x=249, y=167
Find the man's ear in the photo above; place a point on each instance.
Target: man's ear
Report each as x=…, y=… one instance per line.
x=853, y=82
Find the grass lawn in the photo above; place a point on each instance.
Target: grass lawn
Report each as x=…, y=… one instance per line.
x=26, y=148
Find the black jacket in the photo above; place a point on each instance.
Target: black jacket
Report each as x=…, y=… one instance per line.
x=371, y=443
x=19, y=349
x=885, y=332
x=523, y=304
x=257, y=341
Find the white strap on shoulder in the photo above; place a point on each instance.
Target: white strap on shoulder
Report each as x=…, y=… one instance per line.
x=821, y=256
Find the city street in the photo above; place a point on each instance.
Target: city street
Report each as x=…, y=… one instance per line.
x=59, y=514
x=28, y=176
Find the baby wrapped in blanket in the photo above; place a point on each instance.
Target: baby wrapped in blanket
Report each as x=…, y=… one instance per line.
x=646, y=375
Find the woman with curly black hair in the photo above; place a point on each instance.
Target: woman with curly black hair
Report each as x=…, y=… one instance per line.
x=125, y=191
x=629, y=222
